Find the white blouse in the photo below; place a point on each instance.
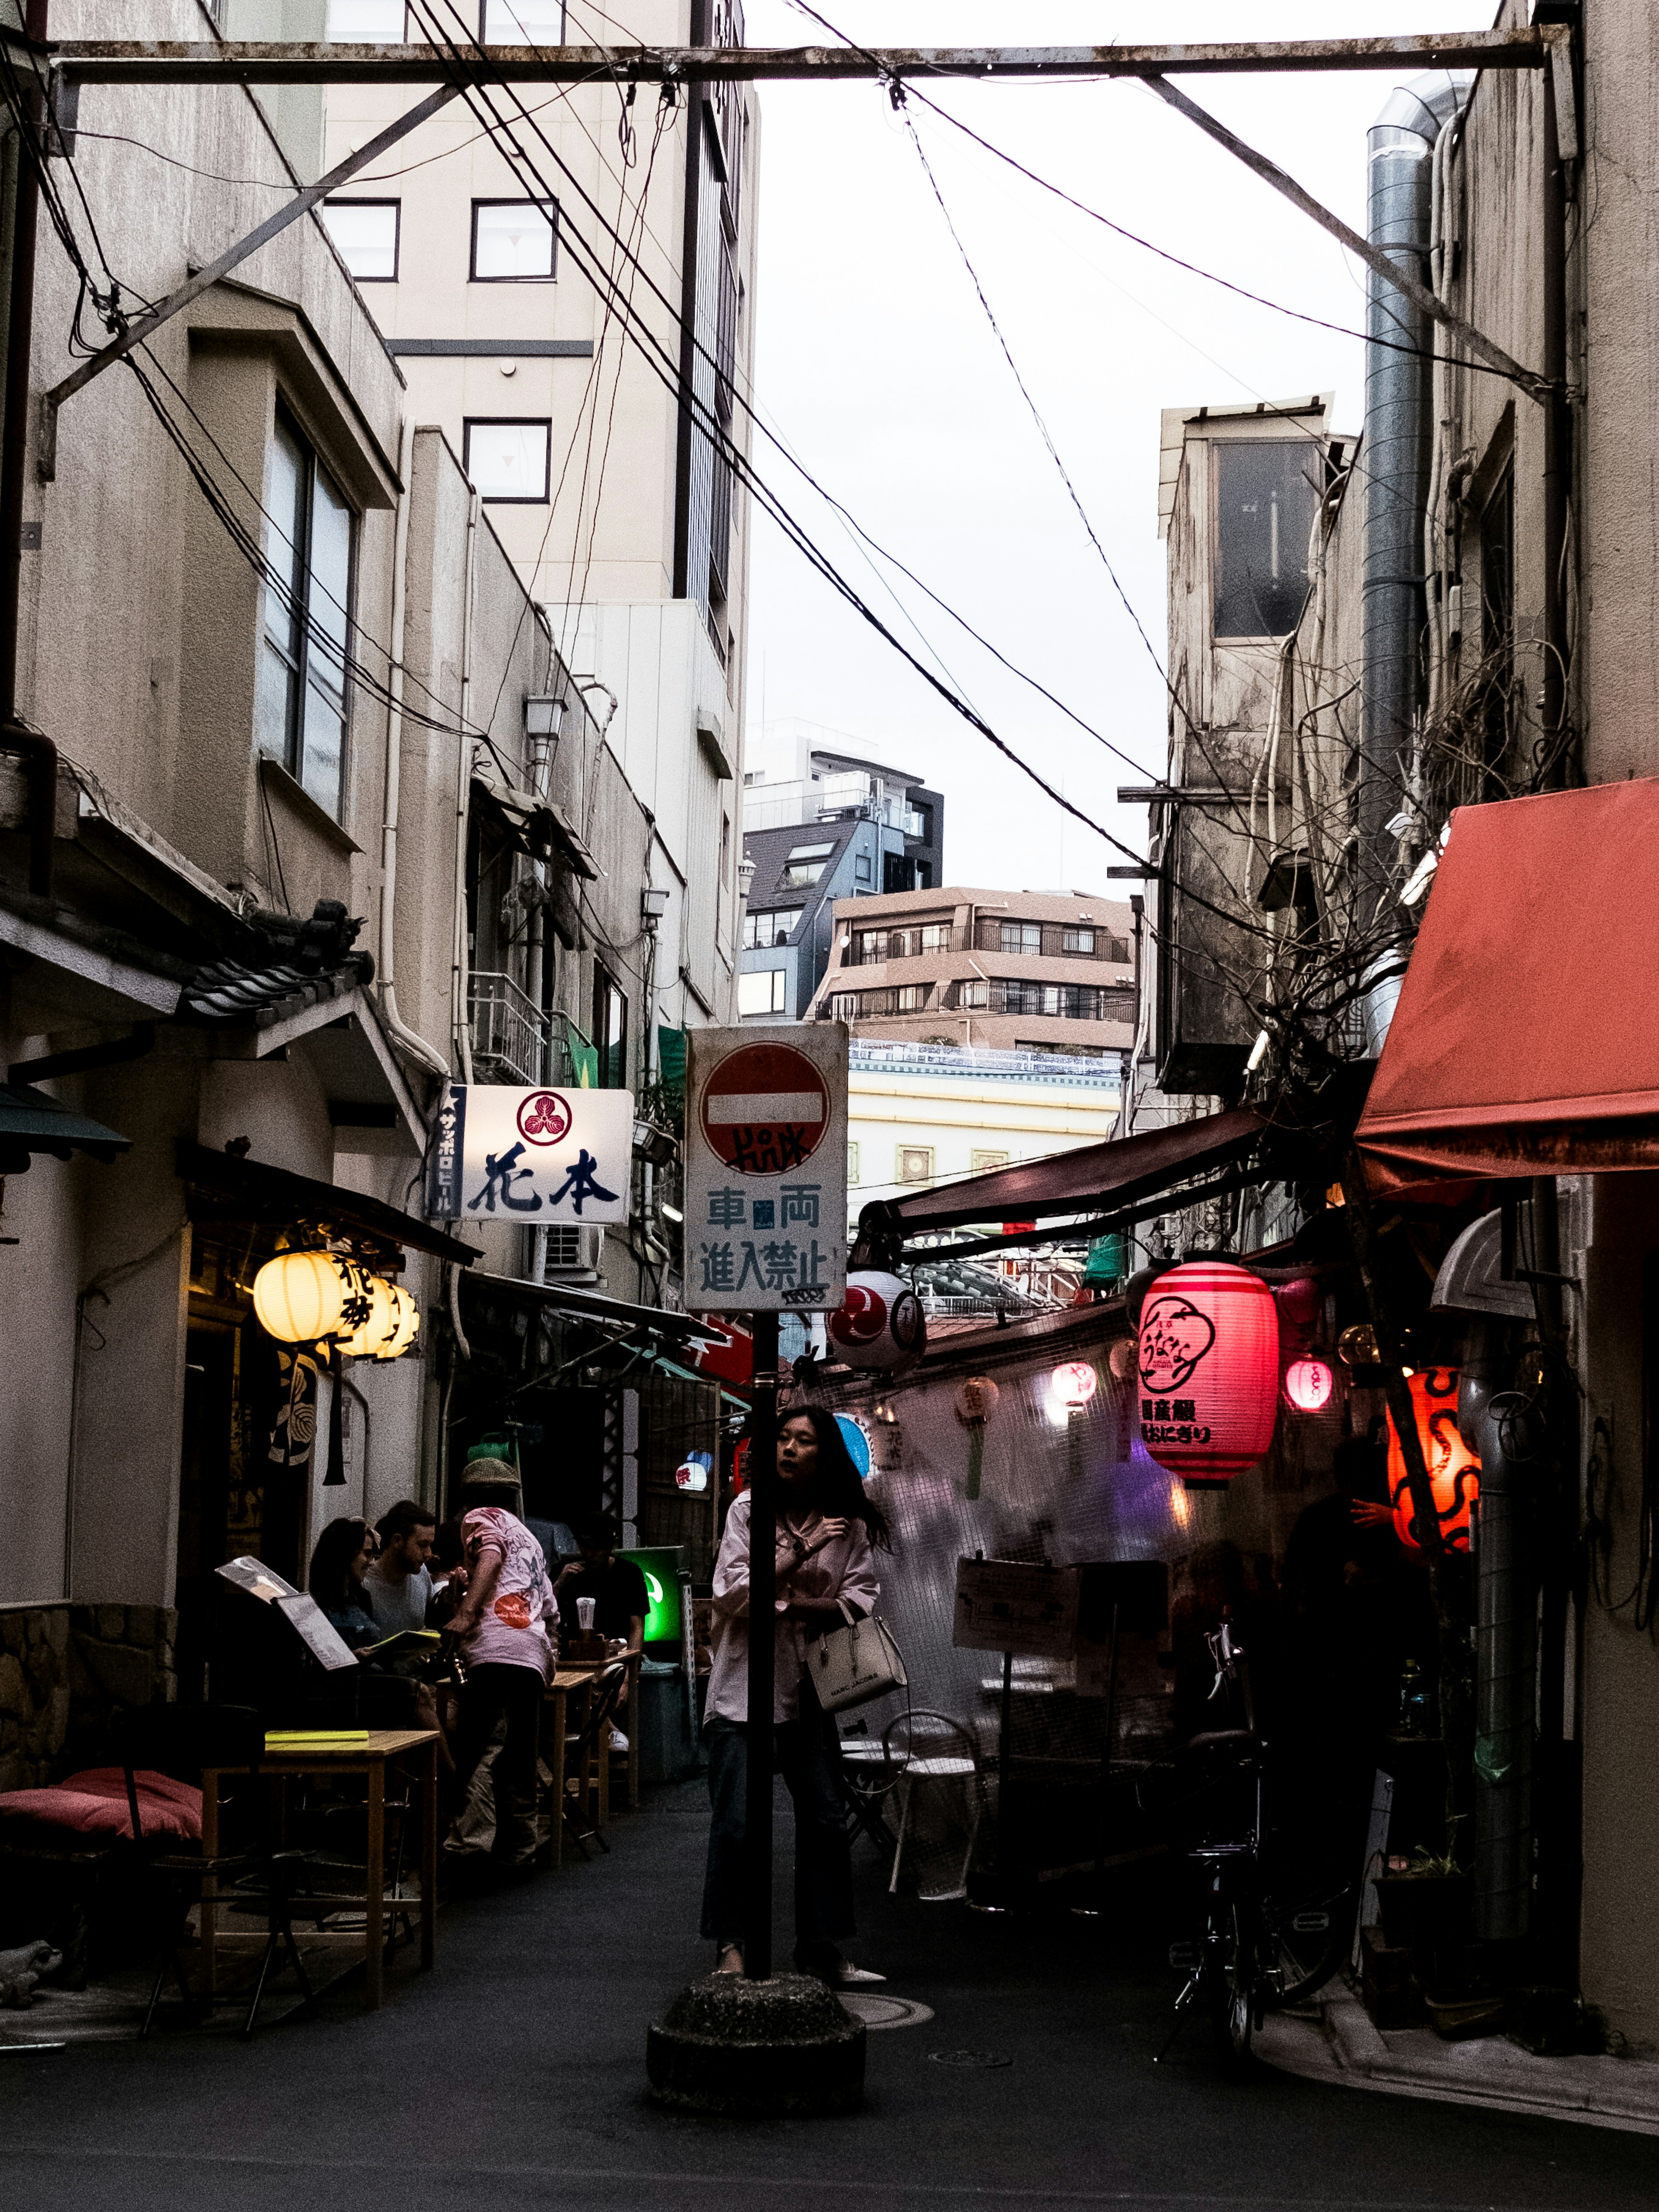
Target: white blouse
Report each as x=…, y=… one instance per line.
x=845, y=1568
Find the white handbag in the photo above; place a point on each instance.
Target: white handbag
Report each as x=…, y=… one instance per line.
x=852, y=1666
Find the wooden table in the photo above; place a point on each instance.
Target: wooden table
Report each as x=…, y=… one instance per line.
x=578, y=1681
x=556, y=1709
x=369, y=1760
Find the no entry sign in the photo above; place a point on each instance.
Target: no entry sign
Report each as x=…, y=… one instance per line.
x=766, y=1169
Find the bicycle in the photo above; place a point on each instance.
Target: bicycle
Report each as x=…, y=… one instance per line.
x=1272, y=1930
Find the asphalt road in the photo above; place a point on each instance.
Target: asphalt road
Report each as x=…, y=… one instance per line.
x=514, y=2076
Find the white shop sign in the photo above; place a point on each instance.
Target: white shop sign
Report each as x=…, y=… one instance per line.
x=531, y=1157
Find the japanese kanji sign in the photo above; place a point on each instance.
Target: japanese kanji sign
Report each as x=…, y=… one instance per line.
x=530, y=1157
x=766, y=1169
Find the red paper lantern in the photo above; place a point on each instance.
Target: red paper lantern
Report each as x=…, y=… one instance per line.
x=1208, y=1359
x=1454, y=1469
x=1074, y=1385
x=1307, y=1384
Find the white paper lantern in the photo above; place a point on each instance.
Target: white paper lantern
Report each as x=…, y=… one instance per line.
x=878, y=1324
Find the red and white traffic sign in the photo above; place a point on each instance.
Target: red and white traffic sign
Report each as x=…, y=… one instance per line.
x=765, y=1109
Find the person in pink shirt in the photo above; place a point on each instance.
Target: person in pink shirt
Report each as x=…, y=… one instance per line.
x=827, y=1529
x=503, y=1630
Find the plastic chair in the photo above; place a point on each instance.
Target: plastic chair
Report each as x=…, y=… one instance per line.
x=918, y=1763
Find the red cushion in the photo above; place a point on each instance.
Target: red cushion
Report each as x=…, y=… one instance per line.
x=94, y=1803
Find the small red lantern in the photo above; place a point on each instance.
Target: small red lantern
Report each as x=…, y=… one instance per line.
x=1307, y=1384
x=1208, y=1358
x=1454, y=1469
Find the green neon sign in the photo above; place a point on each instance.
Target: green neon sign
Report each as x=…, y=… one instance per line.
x=661, y=1565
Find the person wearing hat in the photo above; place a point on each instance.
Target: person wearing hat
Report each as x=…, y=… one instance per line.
x=502, y=1627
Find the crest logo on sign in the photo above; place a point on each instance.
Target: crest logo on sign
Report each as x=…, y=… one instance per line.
x=544, y=1117
x=1174, y=1337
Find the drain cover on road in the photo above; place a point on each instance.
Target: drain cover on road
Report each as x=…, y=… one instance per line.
x=968, y=2058
x=886, y=2011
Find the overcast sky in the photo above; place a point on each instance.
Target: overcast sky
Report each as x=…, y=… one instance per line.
x=875, y=361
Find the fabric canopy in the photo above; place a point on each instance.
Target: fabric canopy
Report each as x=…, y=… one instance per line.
x=1113, y=1173
x=1525, y=1041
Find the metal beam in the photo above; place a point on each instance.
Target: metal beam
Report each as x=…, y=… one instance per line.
x=1374, y=257
x=164, y=61
x=193, y=287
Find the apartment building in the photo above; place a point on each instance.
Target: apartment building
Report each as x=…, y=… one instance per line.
x=546, y=268
x=843, y=827
x=1023, y=971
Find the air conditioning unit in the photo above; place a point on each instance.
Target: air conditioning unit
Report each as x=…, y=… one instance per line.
x=573, y=1252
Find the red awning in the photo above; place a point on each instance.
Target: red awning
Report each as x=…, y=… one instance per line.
x=1089, y=1180
x=1526, y=1040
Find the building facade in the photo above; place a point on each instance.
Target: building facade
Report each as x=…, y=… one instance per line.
x=1022, y=971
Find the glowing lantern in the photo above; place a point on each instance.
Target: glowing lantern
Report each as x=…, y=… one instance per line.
x=301, y=1297
x=1074, y=1385
x=976, y=1400
x=1454, y=1470
x=1307, y=1384
x=406, y=1323
x=1208, y=1358
x=376, y=1331
x=878, y=1324
x=693, y=1472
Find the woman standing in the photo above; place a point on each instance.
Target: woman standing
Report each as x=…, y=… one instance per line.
x=827, y=1529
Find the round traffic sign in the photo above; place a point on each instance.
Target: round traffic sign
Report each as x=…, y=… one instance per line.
x=765, y=1109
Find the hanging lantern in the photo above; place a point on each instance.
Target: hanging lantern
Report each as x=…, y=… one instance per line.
x=1356, y=1347
x=856, y=1438
x=1301, y=1301
x=300, y=1297
x=1307, y=1384
x=376, y=1331
x=1454, y=1470
x=405, y=1326
x=693, y=1472
x=1208, y=1361
x=878, y=1324
x=976, y=1400
x=1074, y=1385
x=1122, y=1359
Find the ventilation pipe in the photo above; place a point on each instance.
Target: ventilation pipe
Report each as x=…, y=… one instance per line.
x=1506, y=1637
x=1394, y=460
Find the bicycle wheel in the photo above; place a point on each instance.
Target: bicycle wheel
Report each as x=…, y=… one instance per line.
x=1234, y=1995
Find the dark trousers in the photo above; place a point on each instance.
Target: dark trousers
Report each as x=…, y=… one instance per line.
x=490, y=1691
x=807, y=1757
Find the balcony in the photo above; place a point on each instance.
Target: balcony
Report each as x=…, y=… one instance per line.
x=510, y=1034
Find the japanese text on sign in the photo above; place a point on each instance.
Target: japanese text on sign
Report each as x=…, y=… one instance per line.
x=531, y=1157
x=766, y=1169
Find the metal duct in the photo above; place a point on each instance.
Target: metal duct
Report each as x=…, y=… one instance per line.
x=1506, y=1647
x=1394, y=460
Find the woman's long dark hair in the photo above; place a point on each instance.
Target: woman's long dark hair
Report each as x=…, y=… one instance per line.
x=330, y=1580
x=838, y=1491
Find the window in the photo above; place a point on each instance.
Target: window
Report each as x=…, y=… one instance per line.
x=564, y=1244
x=1072, y=1002
x=1019, y=936
x=852, y=1159
x=366, y=234
x=806, y=863
x=976, y=992
x=367, y=22
x=513, y=241
x=764, y=992
x=524, y=22
x=844, y=1007
x=1265, y=505
x=935, y=937
x=869, y=947
x=862, y=870
x=762, y=930
x=915, y=1163
x=506, y=459
x=611, y=1031
x=1077, y=940
x=979, y=1162
x=300, y=705
x=912, y=997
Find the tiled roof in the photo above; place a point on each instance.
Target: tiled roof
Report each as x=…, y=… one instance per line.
x=228, y=991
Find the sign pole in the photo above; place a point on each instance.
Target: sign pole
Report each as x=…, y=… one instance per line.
x=763, y=1596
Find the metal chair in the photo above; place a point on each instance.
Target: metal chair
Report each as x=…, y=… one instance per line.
x=182, y=1740
x=919, y=1764
x=869, y=1776
x=579, y=1756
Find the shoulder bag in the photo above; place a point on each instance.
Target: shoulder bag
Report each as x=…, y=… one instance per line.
x=854, y=1665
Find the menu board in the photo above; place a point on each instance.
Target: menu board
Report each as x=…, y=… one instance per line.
x=1008, y=1605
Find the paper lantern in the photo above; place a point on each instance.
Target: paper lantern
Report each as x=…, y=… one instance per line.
x=693, y=1472
x=976, y=1400
x=1307, y=1384
x=1073, y=1383
x=852, y=1435
x=378, y=1328
x=300, y=1297
x=1208, y=1361
x=878, y=1324
x=1454, y=1469
x=406, y=1323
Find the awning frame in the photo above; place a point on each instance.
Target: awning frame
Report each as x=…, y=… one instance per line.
x=253, y=1190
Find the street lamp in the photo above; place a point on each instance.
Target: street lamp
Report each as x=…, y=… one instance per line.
x=653, y=904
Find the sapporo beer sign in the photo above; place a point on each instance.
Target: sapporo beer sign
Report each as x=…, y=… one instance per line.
x=531, y=1157
x=766, y=1169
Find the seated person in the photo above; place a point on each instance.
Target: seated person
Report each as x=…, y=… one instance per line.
x=617, y=1586
x=398, y=1582
x=336, y=1580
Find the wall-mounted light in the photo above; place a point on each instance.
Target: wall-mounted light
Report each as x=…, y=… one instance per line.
x=653, y=904
x=543, y=711
x=671, y=1213
x=745, y=876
